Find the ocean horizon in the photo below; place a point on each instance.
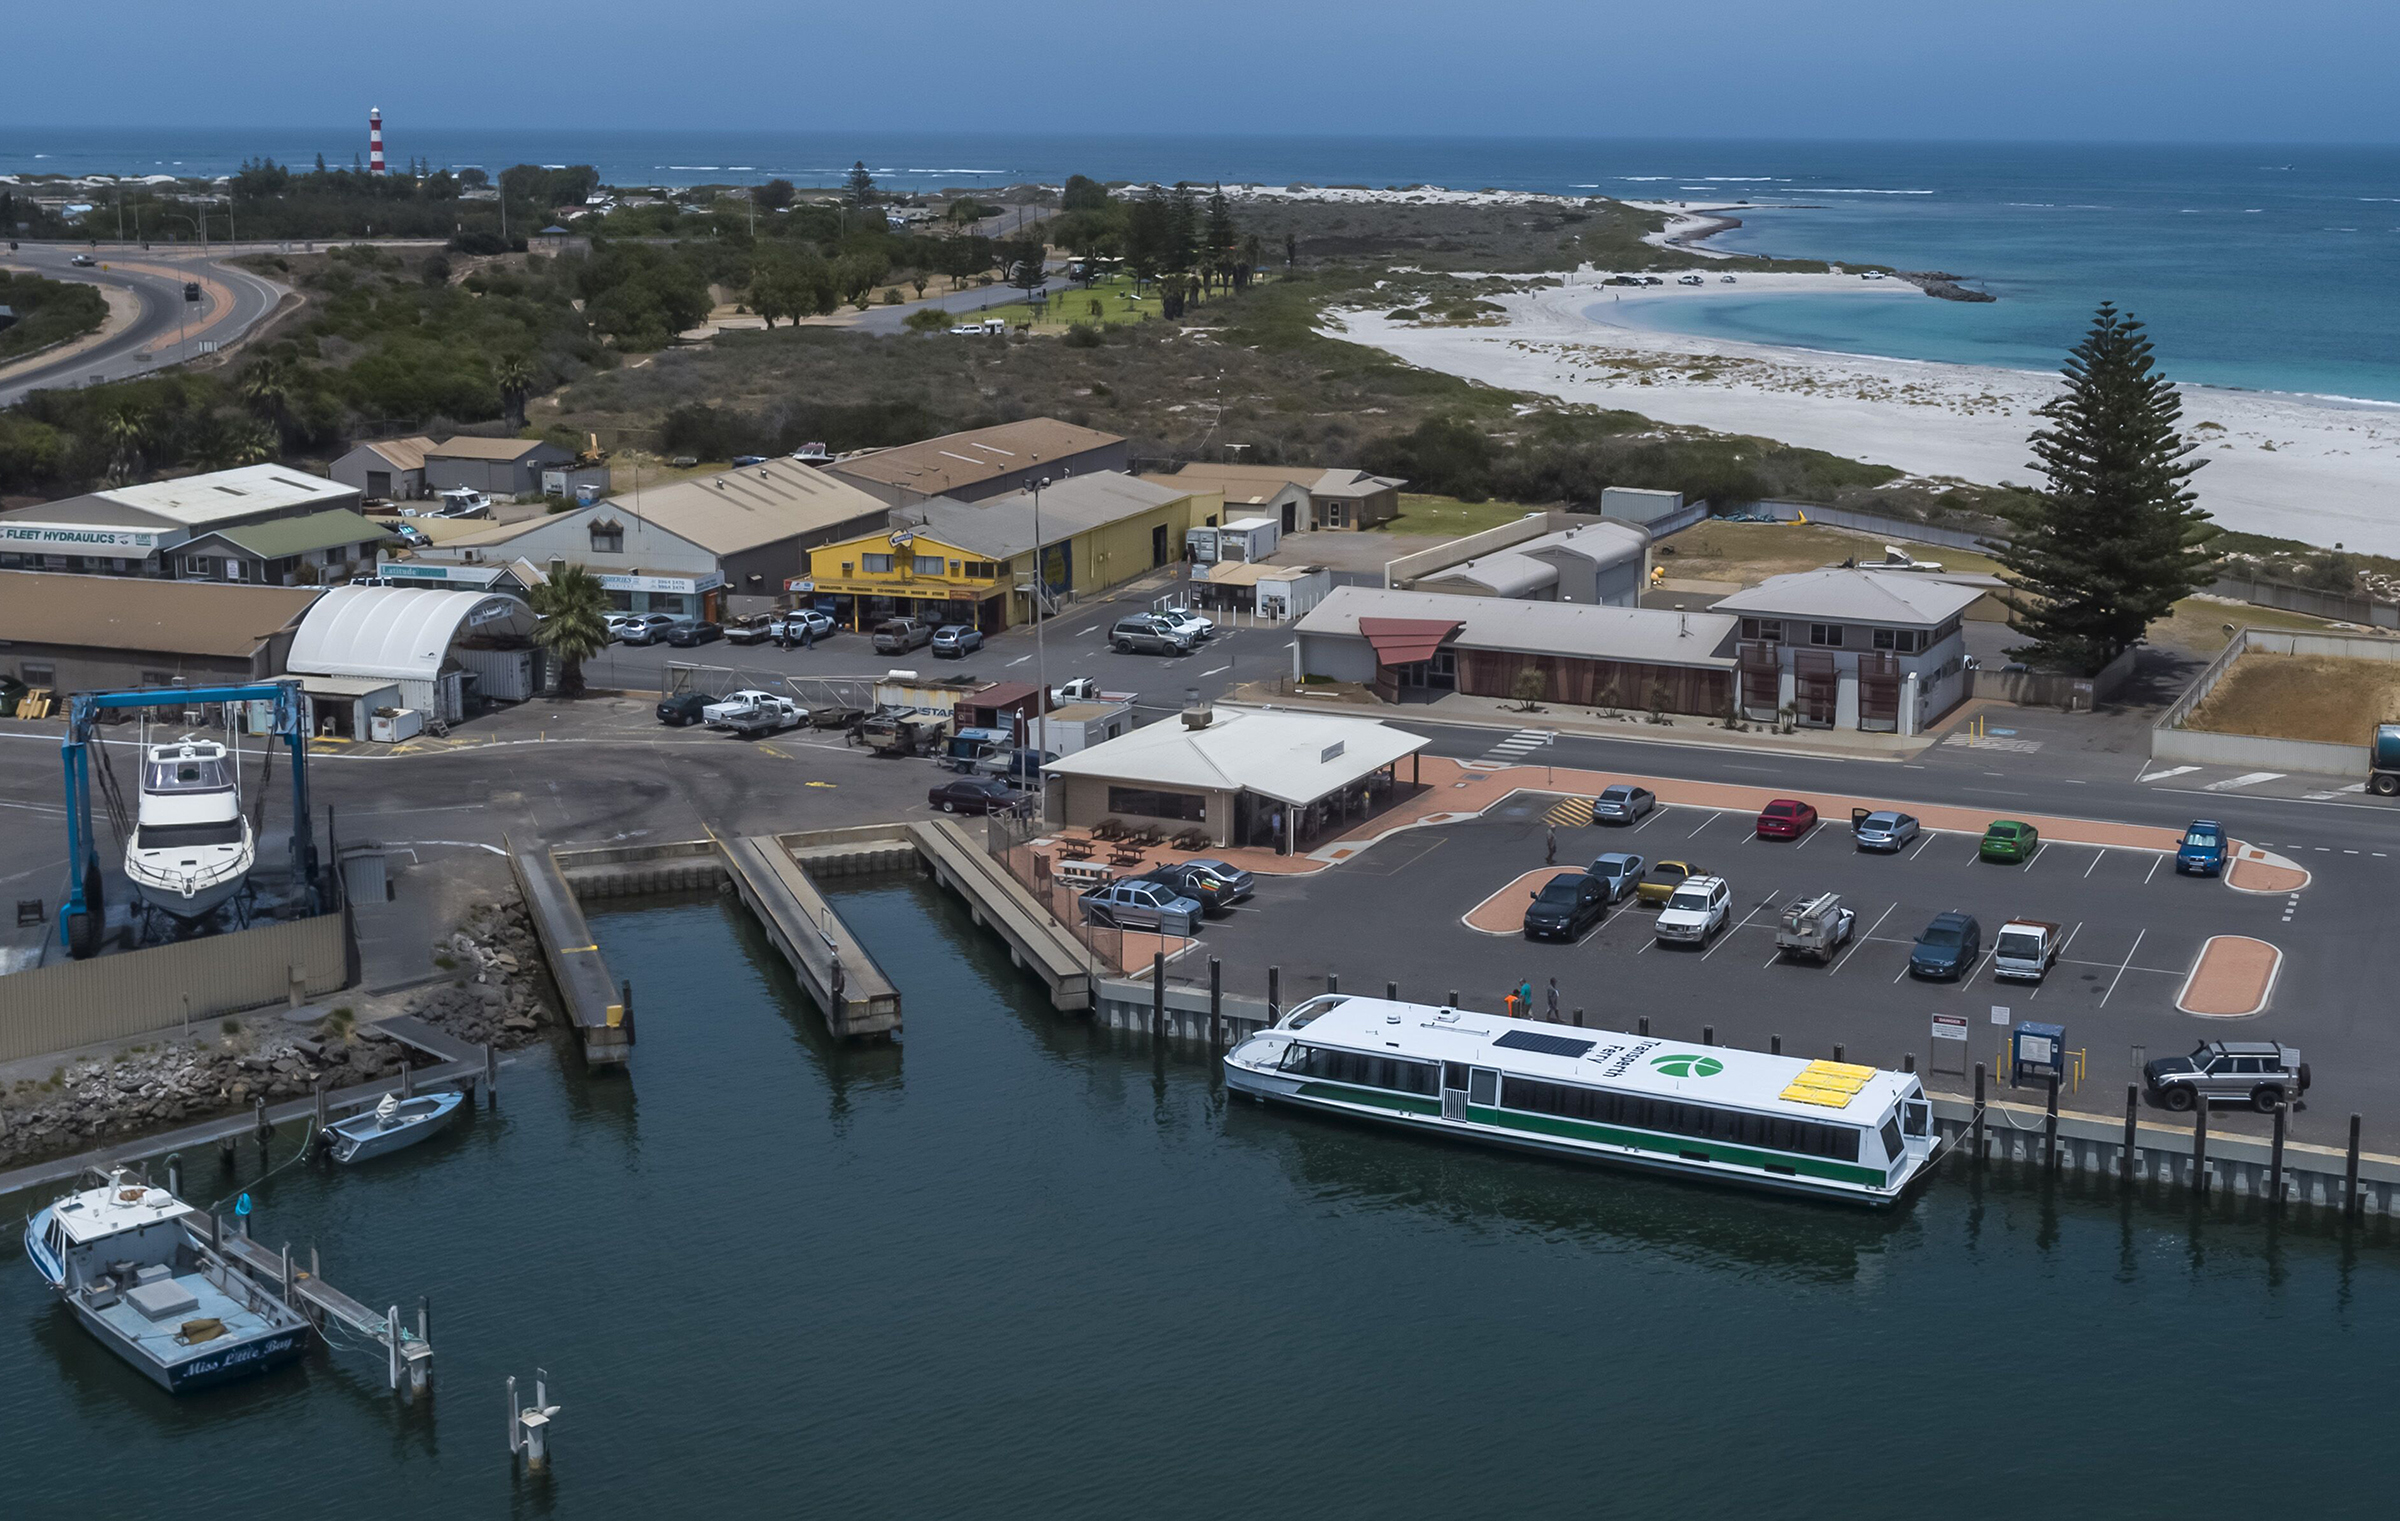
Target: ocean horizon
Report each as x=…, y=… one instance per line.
x=2257, y=267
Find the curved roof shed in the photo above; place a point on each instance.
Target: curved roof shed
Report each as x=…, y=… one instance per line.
x=397, y=632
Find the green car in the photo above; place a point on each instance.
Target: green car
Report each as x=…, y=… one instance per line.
x=2010, y=841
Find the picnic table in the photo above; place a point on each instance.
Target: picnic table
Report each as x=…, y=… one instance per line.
x=1076, y=850
x=1126, y=855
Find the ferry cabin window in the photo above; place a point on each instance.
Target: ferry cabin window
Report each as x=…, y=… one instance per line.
x=1916, y=1119
x=1769, y=1132
x=1891, y=1138
x=1360, y=1070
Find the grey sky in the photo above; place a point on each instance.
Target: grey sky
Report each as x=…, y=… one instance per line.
x=2302, y=70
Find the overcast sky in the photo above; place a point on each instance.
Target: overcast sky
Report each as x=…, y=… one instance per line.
x=2175, y=70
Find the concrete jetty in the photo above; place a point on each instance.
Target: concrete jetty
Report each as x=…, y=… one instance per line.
x=595, y=1006
x=859, y=1001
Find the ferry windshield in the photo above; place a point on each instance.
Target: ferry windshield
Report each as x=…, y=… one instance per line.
x=190, y=775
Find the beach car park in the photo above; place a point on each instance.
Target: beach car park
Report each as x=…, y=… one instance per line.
x=1882, y=829
x=2009, y=841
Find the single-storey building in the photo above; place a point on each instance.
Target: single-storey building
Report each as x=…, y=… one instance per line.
x=1270, y=591
x=73, y=633
x=429, y=644
x=556, y=242
x=982, y=463
x=1639, y=504
x=495, y=466
x=1299, y=497
x=321, y=548
x=1279, y=781
x=1852, y=649
x=682, y=548
x=973, y=562
x=386, y=470
x=1420, y=646
x=1599, y=563
x=136, y=530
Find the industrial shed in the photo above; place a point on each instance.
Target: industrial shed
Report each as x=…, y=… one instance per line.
x=431, y=643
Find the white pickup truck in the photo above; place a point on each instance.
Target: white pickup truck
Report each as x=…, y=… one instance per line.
x=754, y=712
x=1085, y=689
x=2026, y=950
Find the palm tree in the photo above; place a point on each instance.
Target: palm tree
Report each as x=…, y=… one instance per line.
x=266, y=389
x=515, y=377
x=574, y=624
x=123, y=430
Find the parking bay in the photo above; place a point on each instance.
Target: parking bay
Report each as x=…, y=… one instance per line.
x=2135, y=929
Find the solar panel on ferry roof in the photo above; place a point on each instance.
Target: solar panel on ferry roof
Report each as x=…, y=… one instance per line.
x=1548, y=1045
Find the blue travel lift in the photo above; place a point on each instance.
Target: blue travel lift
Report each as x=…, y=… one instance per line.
x=83, y=915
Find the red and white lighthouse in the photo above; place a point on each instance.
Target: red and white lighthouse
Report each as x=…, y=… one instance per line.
x=375, y=140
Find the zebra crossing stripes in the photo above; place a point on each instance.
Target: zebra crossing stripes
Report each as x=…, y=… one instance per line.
x=1519, y=745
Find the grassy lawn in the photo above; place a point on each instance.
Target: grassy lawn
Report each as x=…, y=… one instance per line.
x=2200, y=627
x=2315, y=697
x=1116, y=304
x=1446, y=517
x=1751, y=552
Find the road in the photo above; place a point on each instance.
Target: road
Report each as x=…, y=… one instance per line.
x=166, y=330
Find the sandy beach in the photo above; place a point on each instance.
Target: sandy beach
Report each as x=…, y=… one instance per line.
x=2319, y=470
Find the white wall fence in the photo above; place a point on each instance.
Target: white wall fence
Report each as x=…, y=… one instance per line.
x=2171, y=741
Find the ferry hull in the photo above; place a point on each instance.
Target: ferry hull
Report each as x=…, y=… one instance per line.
x=1274, y=1088
x=211, y=1363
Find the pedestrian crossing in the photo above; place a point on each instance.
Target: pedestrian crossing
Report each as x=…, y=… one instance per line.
x=1519, y=745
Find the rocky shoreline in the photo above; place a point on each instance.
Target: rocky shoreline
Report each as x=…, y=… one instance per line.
x=1942, y=286
x=498, y=993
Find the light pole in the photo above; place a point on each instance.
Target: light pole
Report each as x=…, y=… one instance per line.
x=1041, y=658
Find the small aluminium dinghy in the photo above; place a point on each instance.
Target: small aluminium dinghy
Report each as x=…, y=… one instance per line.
x=391, y=1124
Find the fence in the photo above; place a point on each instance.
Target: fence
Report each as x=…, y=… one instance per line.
x=1425, y=562
x=2171, y=741
x=2303, y=599
x=1872, y=522
x=2047, y=689
x=78, y=1003
x=1008, y=839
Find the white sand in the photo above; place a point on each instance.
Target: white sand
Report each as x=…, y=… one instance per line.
x=2298, y=467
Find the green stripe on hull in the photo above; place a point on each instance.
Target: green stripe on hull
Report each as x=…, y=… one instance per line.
x=1666, y=1147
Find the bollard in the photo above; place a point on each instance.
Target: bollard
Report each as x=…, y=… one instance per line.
x=175, y=1173
x=1333, y=982
x=1774, y=1045
x=225, y=1153
x=1158, y=995
x=1908, y=1063
x=1643, y=1027
x=1837, y=1050
x=2133, y=1099
x=391, y=1344
x=1453, y=1003
x=2350, y=1175
x=1708, y=1035
x=2050, y=1129
x=1979, y=1114
x=1391, y=992
x=491, y=1075
x=1579, y=1018
x=408, y=1078
x=1275, y=994
x=287, y=1272
x=1216, y=999
x=2275, y=1188
x=313, y=1271
x=2200, y=1143
x=266, y=1132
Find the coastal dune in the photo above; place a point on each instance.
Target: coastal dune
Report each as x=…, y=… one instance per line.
x=2316, y=469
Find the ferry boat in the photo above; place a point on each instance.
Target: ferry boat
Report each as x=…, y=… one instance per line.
x=1828, y=1130
x=191, y=848
x=127, y=1260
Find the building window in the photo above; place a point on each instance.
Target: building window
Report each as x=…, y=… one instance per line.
x=928, y=565
x=1763, y=630
x=983, y=570
x=608, y=537
x=1887, y=639
x=1826, y=634
x=199, y=566
x=38, y=674
x=1143, y=802
x=876, y=565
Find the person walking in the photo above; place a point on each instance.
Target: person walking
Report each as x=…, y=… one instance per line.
x=1550, y=848
x=1551, y=993
x=808, y=635
x=1524, y=996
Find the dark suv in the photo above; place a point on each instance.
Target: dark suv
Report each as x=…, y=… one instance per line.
x=1565, y=906
x=1948, y=948
x=2261, y=1073
x=1150, y=636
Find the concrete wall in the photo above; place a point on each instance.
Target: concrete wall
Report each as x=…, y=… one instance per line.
x=2170, y=741
x=80, y=1003
x=1408, y=569
x=1338, y=657
x=2303, y=599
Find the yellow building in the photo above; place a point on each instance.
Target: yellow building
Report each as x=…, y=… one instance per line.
x=957, y=562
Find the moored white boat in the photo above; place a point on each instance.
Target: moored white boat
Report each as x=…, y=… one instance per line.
x=1830, y=1130
x=191, y=848
x=394, y=1122
x=128, y=1262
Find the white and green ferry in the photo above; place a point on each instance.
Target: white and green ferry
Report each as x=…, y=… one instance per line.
x=1831, y=1130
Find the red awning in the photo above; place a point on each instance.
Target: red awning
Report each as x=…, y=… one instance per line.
x=1405, y=641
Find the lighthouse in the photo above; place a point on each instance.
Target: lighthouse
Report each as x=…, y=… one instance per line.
x=374, y=139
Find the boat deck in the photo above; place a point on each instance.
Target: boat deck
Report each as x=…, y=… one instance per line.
x=156, y=1338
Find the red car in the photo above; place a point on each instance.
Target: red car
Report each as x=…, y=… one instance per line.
x=1786, y=819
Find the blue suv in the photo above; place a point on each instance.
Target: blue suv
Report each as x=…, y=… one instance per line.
x=2202, y=851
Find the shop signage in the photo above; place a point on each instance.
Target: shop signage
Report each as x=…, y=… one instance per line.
x=686, y=585
x=67, y=536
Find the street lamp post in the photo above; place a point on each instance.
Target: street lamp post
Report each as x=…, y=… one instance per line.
x=1041, y=657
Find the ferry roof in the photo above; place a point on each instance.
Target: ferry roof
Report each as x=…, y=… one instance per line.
x=1647, y=1064
x=96, y=1213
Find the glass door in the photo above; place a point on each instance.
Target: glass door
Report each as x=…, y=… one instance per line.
x=1454, y=1091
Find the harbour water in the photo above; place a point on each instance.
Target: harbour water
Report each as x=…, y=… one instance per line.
x=1017, y=1267
x=2265, y=267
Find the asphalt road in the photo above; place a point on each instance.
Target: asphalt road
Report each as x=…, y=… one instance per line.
x=168, y=329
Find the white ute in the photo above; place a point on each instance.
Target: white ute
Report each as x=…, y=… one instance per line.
x=2026, y=950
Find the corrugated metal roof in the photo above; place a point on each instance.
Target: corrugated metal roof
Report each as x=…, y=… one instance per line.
x=279, y=537
x=402, y=453
x=1858, y=596
x=483, y=448
x=1003, y=527
x=170, y=617
x=1294, y=758
x=944, y=464
x=1647, y=635
x=724, y=513
x=196, y=501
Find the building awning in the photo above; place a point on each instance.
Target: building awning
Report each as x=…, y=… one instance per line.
x=1405, y=641
x=346, y=686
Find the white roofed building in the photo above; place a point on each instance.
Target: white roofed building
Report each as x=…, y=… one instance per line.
x=1853, y=649
x=430, y=644
x=135, y=530
x=1273, y=780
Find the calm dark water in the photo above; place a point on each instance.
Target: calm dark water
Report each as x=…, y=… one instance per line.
x=1021, y=1269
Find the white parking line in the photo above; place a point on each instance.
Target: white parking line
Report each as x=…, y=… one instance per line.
x=1020, y=660
x=1920, y=850
x=2152, y=872
x=2246, y=779
x=1079, y=633
x=1652, y=817
x=1861, y=940
x=1745, y=924
x=1704, y=823
x=2112, y=982
x=2096, y=860
x=1804, y=839
x=1977, y=967
x=1218, y=670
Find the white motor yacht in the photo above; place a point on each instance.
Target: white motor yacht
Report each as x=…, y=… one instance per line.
x=191, y=848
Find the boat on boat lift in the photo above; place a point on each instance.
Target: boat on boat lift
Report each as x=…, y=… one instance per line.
x=191, y=848
x=393, y=1123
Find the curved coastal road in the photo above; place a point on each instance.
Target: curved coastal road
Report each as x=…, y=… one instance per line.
x=164, y=330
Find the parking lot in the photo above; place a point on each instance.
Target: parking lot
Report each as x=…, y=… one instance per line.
x=2134, y=932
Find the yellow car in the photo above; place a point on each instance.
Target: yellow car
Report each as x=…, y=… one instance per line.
x=1658, y=884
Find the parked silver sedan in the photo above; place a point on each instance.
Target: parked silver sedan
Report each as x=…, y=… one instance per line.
x=1620, y=872
x=1883, y=829
x=1622, y=804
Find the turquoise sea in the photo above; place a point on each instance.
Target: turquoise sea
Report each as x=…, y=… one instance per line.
x=2266, y=267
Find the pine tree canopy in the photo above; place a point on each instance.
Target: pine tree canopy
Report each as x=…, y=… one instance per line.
x=2116, y=538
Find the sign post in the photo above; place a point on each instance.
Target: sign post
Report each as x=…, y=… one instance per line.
x=1949, y=1052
